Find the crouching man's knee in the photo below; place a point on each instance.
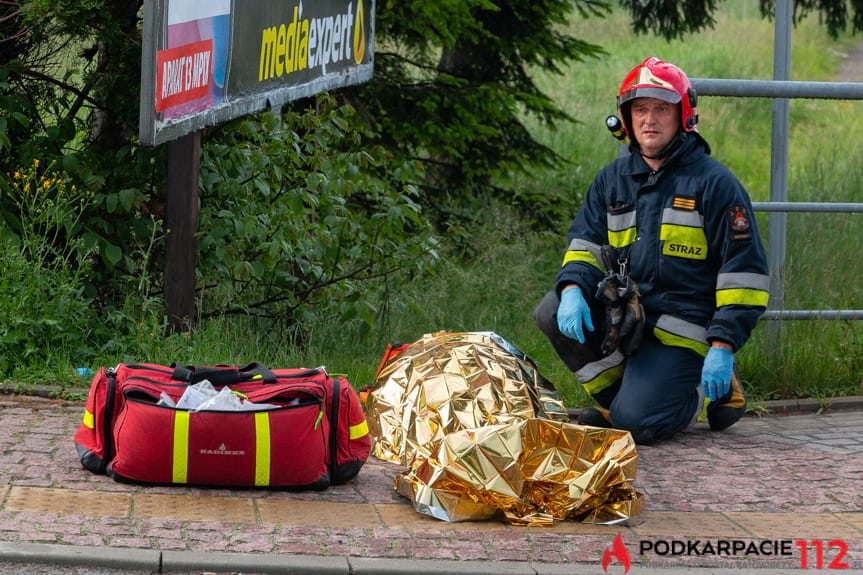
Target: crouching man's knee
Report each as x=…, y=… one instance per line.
x=545, y=314
x=647, y=428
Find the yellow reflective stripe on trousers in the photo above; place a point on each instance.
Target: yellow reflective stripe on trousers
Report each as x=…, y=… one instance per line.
x=180, y=467
x=89, y=420
x=359, y=430
x=262, y=448
x=741, y=297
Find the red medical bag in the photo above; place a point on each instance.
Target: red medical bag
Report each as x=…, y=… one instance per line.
x=311, y=435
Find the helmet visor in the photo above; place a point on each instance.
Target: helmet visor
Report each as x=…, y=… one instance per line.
x=663, y=94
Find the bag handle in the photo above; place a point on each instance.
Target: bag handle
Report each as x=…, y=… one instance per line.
x=223, y=375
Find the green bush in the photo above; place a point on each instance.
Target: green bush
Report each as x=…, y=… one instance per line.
x=300, y=220
x=43, y=267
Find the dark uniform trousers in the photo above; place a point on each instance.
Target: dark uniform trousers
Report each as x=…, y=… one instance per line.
x=658, y=394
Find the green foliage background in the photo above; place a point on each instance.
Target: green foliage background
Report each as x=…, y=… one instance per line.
x=340, y=226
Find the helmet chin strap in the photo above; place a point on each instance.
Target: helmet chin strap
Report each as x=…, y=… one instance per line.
x=669, y=149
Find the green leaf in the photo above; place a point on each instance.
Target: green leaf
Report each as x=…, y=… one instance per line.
x=127, y=198
x=111, y=254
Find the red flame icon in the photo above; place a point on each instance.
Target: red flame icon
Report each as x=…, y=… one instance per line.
x=616, y=551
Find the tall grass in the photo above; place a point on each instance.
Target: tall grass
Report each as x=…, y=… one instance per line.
x=514, y=266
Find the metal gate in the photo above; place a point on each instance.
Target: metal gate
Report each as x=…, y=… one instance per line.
x=781, y=89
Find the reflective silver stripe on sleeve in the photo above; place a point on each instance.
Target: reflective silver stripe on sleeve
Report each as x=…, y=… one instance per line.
x=577, y=245
x=594, y=369
x=743, y=280
x=677, y=326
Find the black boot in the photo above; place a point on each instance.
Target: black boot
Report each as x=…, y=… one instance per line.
x=594, y=417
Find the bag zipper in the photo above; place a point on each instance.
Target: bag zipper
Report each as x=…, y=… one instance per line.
x=317, y=398
x=108, y=420
x=334, y=425
x=300, y=374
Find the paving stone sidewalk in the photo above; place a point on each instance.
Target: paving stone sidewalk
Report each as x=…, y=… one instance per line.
x=766, y=479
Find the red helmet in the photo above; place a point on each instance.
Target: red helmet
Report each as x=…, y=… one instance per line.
x=654, y=78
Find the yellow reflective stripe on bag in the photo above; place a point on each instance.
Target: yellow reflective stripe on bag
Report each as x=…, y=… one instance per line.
x=180, y=467
x=359, y=430
x=89, y=420
x=262, y=448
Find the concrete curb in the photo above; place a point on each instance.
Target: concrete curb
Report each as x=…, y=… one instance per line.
x=73, y=555
x=186, y=561
x=797, y=406
x=191, y=561
x=252, y=564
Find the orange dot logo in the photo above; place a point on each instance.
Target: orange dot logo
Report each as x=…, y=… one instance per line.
x=360, y=33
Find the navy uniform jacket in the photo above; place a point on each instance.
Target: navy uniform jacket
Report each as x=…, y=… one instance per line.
x=691, y=241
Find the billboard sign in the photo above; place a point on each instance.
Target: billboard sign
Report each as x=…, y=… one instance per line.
x=208, y=62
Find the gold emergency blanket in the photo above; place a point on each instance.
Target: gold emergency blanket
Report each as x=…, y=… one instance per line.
x=534, y=471
x=483, y=434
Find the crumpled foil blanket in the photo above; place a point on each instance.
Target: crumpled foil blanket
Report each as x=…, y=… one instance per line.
x=483, y=435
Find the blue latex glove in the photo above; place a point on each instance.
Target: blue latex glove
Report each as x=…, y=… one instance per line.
x=716, y=373
x=573, y=314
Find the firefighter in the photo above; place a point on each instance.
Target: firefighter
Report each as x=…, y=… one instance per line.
x=664, y=275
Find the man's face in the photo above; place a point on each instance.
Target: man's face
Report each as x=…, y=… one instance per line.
x=654, y=123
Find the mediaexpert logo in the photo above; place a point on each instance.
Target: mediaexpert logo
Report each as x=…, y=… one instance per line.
x=815, y=553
